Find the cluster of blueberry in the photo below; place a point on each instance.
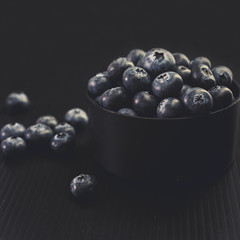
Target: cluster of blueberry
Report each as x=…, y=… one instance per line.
x=160, y=84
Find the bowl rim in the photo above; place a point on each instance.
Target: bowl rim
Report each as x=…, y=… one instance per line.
x=168, y=119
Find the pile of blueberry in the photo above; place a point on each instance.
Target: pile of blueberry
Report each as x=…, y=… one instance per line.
x=160, y=84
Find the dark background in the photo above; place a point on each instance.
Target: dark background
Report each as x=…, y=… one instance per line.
x=49, y=50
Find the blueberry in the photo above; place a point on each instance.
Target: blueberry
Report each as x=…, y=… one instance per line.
x=198, y=101
x=114, y=98
x=38, y=134
x=181, y=59
x=145, y=104
x=99, y=84
x=17, y=102
x=223, y=75
x=48, y=120
x=184, y=72
x=117, y=67
x=12, y=130
x=169, y=108
x=202, y=77
x=168, y=84
x=77, y=117
x=127, y=111
x=61, y=142
x=200, y=61
x=135, y=55
x=13, y=146
x=183, y=91
x=140, y=63
x=136, y=79
x=222, y=96
x=65, y=128
x=157, y=61
x=83, y=186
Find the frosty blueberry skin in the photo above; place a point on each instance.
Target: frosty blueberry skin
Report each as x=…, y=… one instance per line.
x=48, y=120
x=223, y=75
x=181, y=59
x=127, y=112
x=12, y=130
x=135, y=55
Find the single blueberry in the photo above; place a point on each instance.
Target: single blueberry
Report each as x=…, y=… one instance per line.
x=117, y=67
x=199, y=61
x=202, y=77
x=38, y=134
x=184, y=72
x=77, y=117
x=65, y=128
x=13, y=146
x=83, y=186
x=223, y=75
x=168, y=84
x=198, y=101
x=17, y=102
x=181, y=59
x=48, y=120
x=99, y=84
x=183, y=91
x=135, y=55
x=170, y=108
x=12, y=130
x=145, y=104
x=127, y=111
x=136, y=79
x=222, y=96
x=158, y=60
x=114, y=98
x=62, y=142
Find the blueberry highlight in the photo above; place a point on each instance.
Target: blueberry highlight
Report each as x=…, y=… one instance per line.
x=127, y=112
x=170, y=108
x=12, y=130
x=135, y=55
x=48, y=120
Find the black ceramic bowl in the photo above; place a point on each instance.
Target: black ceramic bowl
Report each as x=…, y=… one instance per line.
x=166, y=150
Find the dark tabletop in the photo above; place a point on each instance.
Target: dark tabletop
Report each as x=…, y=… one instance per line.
x=49, y=50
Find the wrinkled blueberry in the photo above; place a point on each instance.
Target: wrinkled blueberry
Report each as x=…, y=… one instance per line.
x=77, y=117
x=127, y=111
x=168, y=84
x=117, y=67
x=114, y=98
x=99, y=84
x=12, y=130
x=200, y=61
x=198, y=101
x=157, y=61
x=181, y=59
x=222, y=96
x=136, y=79
x=202, y=77
x=223, y=75
x=183, y=91
x=48, y=120
x=13, y=146
x=38, y=133
x=83, y=186
x=17, y=102
x=65, y=128
x=169, y=108
x=184, y=72
x=135, y=55
x=145, y=104
x=61, y=142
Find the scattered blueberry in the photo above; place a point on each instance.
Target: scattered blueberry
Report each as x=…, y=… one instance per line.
x=136, y=79
x=17, y=102
x=168, y=84
x=12, y=130
x=83, y=186
x=222, y=96
x=158, y=60
x=65, y=128
x=145, y=104
x=200, y=61
x=61, y=142
x=48, y=120
x=135, y=55
x=181, y=59
x=198, y=101
x=184, y=72
x=170, y=108
x=77, y=117
x=114, y=98
x=13, y=146
x=127, y=111
x=223, y=75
